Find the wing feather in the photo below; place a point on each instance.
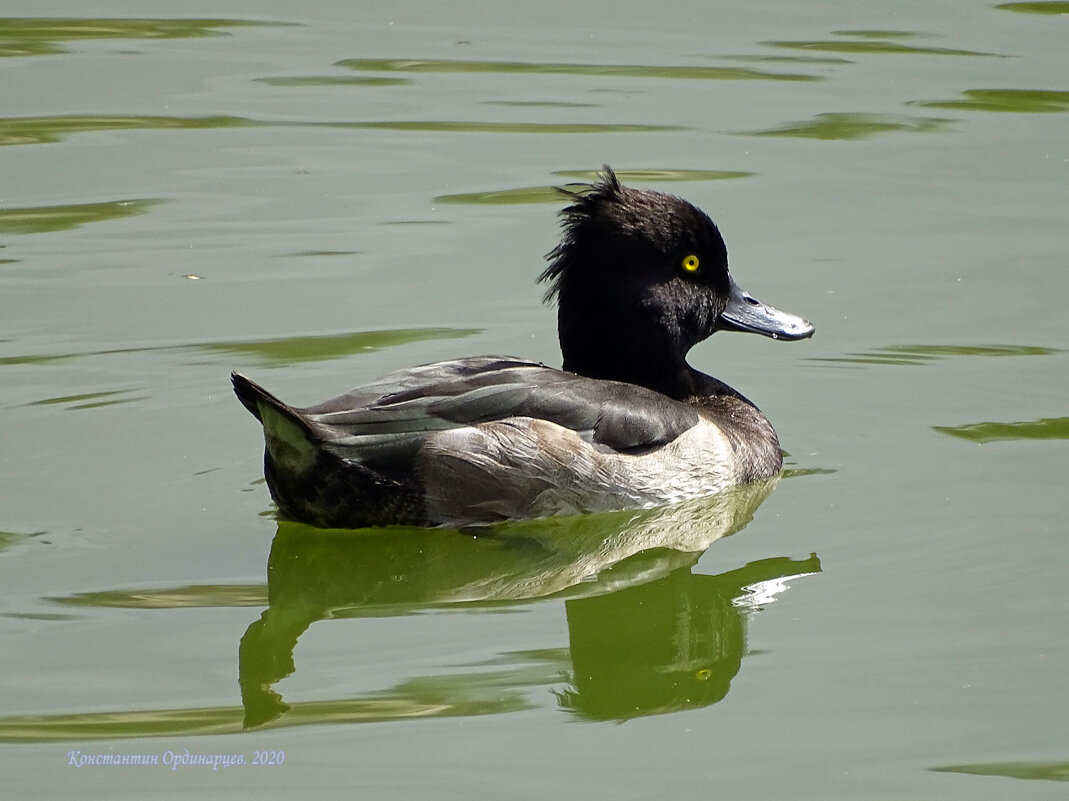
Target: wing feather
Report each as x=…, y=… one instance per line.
x=384, y=423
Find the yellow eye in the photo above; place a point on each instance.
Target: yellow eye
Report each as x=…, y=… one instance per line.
x=690, y=263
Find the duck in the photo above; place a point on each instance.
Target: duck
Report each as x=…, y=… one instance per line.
x=639, y=278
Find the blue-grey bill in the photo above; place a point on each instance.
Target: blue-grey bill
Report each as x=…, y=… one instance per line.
x=746, y=313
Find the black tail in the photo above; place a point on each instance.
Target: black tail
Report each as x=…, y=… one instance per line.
x=252, y=395
x=285, y=428
x=312, y=485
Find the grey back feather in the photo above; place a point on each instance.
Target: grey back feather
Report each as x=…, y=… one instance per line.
x=384, y=424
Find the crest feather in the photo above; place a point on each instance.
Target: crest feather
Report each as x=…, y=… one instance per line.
x=586, y=199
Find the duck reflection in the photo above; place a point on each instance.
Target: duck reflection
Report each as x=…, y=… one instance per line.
x=646, y=635
x=673, y=644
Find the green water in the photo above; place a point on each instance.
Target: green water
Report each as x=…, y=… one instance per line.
x=322, y=194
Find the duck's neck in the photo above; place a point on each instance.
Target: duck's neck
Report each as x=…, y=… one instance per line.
x=635, y=354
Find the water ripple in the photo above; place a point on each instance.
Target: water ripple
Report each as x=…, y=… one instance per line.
x=874, y=42
x=1045, y=428
x=45, y=219
x=39, y=36
x=552, y=194
x=1030, y=101
x=91, y=400
x=288, y=350
x=45, y=130
x=473, y=126
x=1056, y=7
x=332, y=80
x=598, y=70
x=850, y=126
x=925, y=354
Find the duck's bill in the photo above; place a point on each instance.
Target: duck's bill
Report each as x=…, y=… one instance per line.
x=746, y=313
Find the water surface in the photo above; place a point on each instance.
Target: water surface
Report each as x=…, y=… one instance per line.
x=322, y=195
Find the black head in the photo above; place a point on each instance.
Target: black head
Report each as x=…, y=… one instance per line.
x=640, y=277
